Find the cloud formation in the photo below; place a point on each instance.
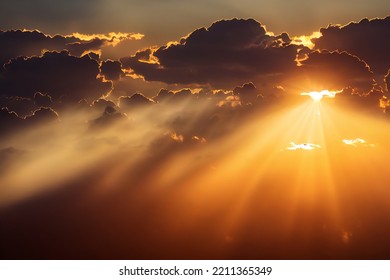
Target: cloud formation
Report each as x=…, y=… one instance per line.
x=334, y=71
x=15, y=43
x=229, y=52
x=367, y=39
x=58, y=74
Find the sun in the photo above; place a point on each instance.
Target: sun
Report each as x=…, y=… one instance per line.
x=318, y=95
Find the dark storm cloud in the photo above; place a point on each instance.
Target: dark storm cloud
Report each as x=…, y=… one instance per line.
x=367, y=39
x=55, y=73
x=335, y=71
x=227, y=53
x=111, y=70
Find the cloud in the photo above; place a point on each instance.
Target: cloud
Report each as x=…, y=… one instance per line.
x=21, y=105
x=248, y=93
x=111, y=70
x=367, y=39
x=333, y=71
x=11, y=122
x=134, y=102
x=228, y=53
x=15, y=43
x=109, y=117
x=42, y=115
x=58, y=74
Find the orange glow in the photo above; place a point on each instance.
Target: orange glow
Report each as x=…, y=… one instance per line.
x=318, y=95
x=357, y=142
x=306, y=40
x=113, y=38
x=303, y=146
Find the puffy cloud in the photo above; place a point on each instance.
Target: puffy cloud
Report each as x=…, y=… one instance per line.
x=111, y=70
x=334, y=71
x=227, y=53
x=367, y=39
x=15, y=43
x=11, y=122
x=42, y=115
x=165, y=95
x=136, y=101
x=42, y=100
x=248, y=93
x=56, y=74
x=110, y=116
x=21, y=105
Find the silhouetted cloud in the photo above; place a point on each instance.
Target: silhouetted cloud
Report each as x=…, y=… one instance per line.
x=227, y=53
x=334, y=71
x=136, y=101
x=248, y=93
x=109, y=117
x=111, y=70
x=15, y=43
x=42, y=115
x=58, y=74
x=10, y=122
x=21, y=105
x=42, y=100
x=367, y=39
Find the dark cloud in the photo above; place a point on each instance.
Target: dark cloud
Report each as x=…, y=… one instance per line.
x=42, y=115
x=42, y=100
x=111, y=70
x=367, y=39
x=136, y=101
x=334, y=71
x=15, y=43
x=10, y=122
x=79, y=48
x=56, y=74
x=248, y=93
x=109, y=117
x=101, y=104
x=369, y=103
x=21, y=105
x=227, y=53
x=165, y=95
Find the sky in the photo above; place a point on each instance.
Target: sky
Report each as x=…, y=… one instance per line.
x=163, y=21
x=194, y=129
